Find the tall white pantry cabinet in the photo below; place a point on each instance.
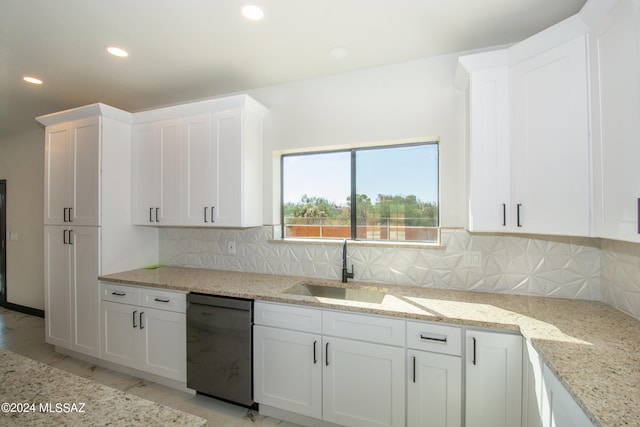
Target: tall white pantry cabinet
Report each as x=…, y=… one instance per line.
x=87, y=219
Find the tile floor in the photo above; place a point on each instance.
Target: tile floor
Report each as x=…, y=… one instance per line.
x=24, y=334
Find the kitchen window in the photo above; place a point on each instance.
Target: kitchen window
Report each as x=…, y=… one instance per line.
x=382, y=193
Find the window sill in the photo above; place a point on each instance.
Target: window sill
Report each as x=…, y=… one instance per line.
x=362, y=243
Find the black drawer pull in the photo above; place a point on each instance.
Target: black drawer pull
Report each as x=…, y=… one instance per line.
x=119, y=294
x=437, y=339
x=162, y=300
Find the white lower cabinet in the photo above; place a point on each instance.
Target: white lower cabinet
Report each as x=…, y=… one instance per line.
x=434, y=384
x=493, y=379
x=547, y=402
x=338, y=379
x=558, y=407
x=338, y=368
x=137, y=334
x=71, y=288
x=288, y=370
x=362, y=383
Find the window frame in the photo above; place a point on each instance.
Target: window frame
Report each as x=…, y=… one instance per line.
x=353, y=173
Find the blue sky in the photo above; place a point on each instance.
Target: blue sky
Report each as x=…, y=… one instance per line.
x=399, y=170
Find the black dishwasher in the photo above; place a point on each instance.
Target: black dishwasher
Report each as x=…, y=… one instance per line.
x=219, y=347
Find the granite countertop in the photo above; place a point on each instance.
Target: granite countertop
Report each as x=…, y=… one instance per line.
x=593, y=349
x=36, y=394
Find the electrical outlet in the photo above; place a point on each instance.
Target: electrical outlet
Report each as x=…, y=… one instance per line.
x=231, y=247
x=472, y=259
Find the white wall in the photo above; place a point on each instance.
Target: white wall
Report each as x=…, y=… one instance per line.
x=393, y=103
x=22, y=165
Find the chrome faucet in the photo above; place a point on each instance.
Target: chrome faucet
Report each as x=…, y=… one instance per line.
x=345, y=272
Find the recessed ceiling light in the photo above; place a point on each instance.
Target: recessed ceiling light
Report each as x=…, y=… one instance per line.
x=252, y=12
x=339, y=52
x=32, y=80
x=117, y=51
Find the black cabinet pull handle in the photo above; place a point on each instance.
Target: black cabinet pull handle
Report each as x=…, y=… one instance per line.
x=504, y=214
x=414, y=369
x=150, y=213
x=519, y=205
x=119, y=294
x=64, y=215
x=326, y=354
x=315, y=359
x=141, y=325
x=70, y=216
x=205, y=214
x=134, y=319
x=212, y=208
x=473, y=360
x=70, y=239
x=638, y=215
x=428, y=338
x=64, y=237
x=157, y=210
x=161, y=300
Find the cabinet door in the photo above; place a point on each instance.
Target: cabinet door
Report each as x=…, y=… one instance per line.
x=169, y=139
x=199, y=165
x=532, y=388
x=57, y=290
x=288, y=370
x=489, y=147
x=559, y=408
x=85, y=162
x=494, y=379
x=227, y=135
x=163, y=337
x=363, y=383
x=434, y=391
x=144, y=174
x=85, y=292
x=551, y=169
x=57, y=173
x=120, y=333
x=615, y=65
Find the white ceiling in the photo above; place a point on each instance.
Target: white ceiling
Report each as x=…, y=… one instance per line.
x=190, y=49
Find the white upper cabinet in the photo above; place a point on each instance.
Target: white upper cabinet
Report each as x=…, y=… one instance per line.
x=207, y=171
x=528, y=150
x=489, y=163
x=615, y=95
x=550, y=142
x=72, y=172
x=200, y=166
x=156, y=173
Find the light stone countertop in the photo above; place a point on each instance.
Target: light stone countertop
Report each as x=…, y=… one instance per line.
x=593, y=349
x=56, y=397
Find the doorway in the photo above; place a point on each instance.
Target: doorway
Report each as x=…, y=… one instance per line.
x=3, y=242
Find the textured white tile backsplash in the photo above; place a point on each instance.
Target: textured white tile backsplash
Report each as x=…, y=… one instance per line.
x=541, y=265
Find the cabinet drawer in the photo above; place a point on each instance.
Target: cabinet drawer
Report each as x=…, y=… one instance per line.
x=434, y=338
x=381, y=330
x=119, y=293
x=288, y=317
x=164, y=300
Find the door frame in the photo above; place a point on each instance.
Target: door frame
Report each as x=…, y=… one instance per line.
x=3, y=242
x=3, y=258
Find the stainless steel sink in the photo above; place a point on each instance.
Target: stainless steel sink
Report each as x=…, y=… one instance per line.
x=336, y=292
